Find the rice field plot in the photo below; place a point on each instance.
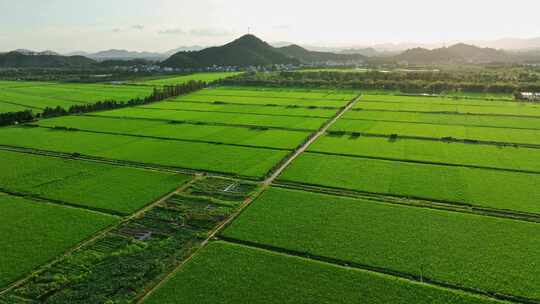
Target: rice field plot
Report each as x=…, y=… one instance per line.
x=245, y=161
x=494, y=189
x=38, y=96
x=302, y=93
x=439, y=100
x=267, y=121
x=259, y=100
x=490, y=254
x=8, y=107
x=517, y=109
x=447, y=119
x=269, y=138
x=174, y=80
x=28, y=227
x=440, y=152
x=123, y=263
x=244, y=109
x=232, y=272
x=504, y=135
x=97, y=186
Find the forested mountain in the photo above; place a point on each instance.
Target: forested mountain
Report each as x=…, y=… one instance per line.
x=306, y=56
x=456, y=54
x=20, y=60
x=247, y=50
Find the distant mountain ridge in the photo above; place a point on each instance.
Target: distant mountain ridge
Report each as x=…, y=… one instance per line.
x=313, y=57
x=247, y=50
x=21, y=60
x=457, y=54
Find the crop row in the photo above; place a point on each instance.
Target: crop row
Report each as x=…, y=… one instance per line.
x=440, y=152
x=469, y=251
x=271, y=138
x=173, y=80
x=32, y=233
x=253, y=162
x=289, y=122
x=244, y=109
x=232, y=273
x=480, y=187
x=436, y=119
x=93, y=185
x=257, y=100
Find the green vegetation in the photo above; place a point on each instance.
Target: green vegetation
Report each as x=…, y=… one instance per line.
x=441, y=152
x=487, y=188
x=118, y=266
x=94, y=185
x=172, y=80
x=32, y=233
x=182, y=131
x=232, y=273
x=253, y=162
x=289, y=122
x=39, y=95
x=263, y=100
x=245, y=108
x=447, y=119
x=505, y=135
x=472, y=251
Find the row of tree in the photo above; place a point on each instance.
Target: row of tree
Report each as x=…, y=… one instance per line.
x=157, y=95
x=404, y=82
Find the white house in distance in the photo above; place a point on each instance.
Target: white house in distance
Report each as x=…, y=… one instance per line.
x=529, y=96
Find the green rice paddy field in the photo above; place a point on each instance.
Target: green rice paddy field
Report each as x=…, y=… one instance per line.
x=462, y=249
x=36, y=96
x=173, y=80
x=93, y=185
x=69, y=177
x=33, y=233
x=232, y=272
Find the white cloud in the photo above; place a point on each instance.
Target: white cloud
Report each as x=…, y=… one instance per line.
x=209, y=32
x=172, y=31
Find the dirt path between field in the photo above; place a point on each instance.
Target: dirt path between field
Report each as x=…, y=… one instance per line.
x=308, y=143
x=99, y=234
x=266, y=183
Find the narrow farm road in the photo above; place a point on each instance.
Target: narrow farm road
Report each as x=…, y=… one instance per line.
x=308, y=143
x=266, y=183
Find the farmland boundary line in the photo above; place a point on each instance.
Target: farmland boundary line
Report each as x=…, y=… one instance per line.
x=98, y=235
x=164, y=138
x=269, y=105
x=439, y=139
x=56, y=202
x=449, y=113
x=424, y=162
x=231, y=112
x=441, y=124
x=123, y=163
x=199, y=122
x=420, y=202
x=265, y=185
x=403, y=275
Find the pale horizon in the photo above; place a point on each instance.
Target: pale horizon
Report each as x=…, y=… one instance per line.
x=159, y=26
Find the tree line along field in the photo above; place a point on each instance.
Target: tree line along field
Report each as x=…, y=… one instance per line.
x=18, y=96
x=36, y=96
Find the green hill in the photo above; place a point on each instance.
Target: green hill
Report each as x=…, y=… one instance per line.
x=306, y=56
x=456, y=54
x=20, y=60
x=247, y=50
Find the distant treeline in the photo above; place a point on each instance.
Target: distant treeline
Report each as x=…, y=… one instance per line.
x=157, y=95
x=407, y=82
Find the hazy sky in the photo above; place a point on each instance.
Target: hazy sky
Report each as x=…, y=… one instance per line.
x=159, y=25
